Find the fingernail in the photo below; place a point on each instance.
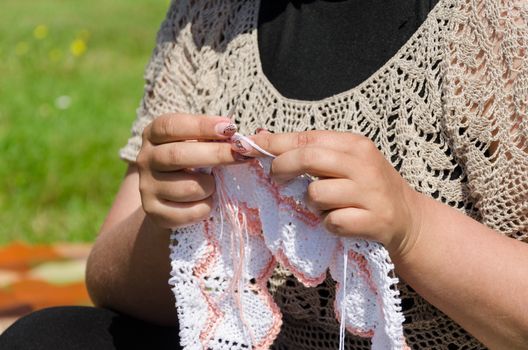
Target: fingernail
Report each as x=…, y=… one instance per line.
x=259, y=130
x=240, y=145
x=225, y=129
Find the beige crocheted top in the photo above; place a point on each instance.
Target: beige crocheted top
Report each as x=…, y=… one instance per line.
x=448, y=111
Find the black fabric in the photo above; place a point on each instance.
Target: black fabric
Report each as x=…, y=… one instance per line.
x=86, y=328
x=312, y=49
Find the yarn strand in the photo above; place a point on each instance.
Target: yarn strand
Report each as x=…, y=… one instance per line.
x=342, y=332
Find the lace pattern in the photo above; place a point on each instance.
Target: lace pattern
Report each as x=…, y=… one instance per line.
x=229, y=258
x=448, y=111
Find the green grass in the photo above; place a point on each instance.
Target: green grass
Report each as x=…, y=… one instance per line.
x=59, y=168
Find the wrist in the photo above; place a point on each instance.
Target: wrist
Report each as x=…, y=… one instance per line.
x=402, y=246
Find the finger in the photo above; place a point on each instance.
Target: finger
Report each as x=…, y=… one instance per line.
x=181, y=186
x=173, y=215
x=280, y=143
x=351, y=222
x=180, y=127
x=329, y=194
x=179, y=155
x=312, y=160
x=259, y=130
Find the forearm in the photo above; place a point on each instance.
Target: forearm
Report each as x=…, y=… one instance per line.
x=128, y=270
x=129, y=266
x=470, y=272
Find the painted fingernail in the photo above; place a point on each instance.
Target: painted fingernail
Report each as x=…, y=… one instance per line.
x=241, y=146
x=225, y=129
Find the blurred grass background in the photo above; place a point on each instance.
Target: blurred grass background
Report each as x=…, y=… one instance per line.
x=71, y=77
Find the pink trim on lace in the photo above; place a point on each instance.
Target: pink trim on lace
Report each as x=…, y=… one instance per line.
x=302, y=213
x=362, y=266
x=356, y=331
x=277, y=316
x=301, y=276
x=244, y=221
x=252, y=217
x=200, y=271
x=212, y=250
x=364, y=269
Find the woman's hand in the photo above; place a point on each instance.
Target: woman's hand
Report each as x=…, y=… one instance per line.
x=359, y=193
x=173, y=194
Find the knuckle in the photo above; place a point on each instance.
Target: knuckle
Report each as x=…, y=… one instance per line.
x=175, y=154
x=141, y=159
x=220, y=152
x=303, y=139
x=364, y=145
x=145, y=134
x=154, y=126
x=204, y=126
x=166, y=126
x=143, y=189
x=309, y=156
x=145, y=186
x=162, y=125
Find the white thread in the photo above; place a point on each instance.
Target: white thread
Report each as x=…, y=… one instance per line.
x=238, y=221
x=238, y=136
x=342, y=332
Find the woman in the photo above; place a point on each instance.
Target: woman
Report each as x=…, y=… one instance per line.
x=417, y=132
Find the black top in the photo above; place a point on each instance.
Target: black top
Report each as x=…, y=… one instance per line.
x=312, y=49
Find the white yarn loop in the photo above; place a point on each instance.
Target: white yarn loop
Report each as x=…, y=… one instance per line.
x=238, y=136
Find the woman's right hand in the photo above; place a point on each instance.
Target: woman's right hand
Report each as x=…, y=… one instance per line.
x=173, y=193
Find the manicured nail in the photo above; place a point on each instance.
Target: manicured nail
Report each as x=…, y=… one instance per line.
x=240, y=145
x=225, y=129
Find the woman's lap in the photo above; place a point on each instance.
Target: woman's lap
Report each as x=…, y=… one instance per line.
x=81, y=327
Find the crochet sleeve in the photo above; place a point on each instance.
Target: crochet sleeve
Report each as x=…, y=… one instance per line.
x=167, y=76
x=487, y=77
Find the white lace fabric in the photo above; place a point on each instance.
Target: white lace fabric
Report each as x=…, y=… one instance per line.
x=448, y=111
x=223, y=265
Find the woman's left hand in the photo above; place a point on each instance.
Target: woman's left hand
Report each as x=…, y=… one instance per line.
x=359, y=193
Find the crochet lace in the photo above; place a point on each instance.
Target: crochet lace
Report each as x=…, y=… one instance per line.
x=448, y=111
